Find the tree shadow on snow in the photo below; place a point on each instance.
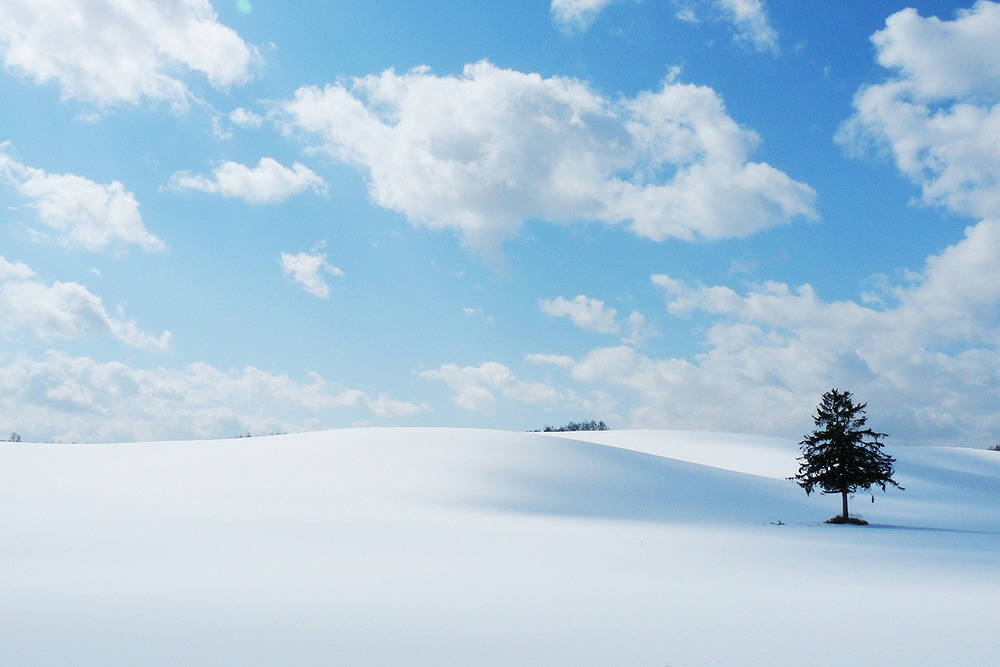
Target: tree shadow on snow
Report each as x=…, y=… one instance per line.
x=595, y=481
x=932, y=529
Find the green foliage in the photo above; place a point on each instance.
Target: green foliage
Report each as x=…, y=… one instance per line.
x=577, y=426
x=843, y=455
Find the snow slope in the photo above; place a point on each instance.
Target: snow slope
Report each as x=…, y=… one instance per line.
x=465, y=547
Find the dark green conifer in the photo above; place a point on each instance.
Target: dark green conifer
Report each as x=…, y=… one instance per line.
x=843, y=455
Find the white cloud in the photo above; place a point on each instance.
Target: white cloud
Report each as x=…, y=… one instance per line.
x=939, y=116
x=561, y=360
x=750, y=22
x=928, y=362
x=475, y=387
x=84, y=214
x=772, y=350
x=63, y=310
x=268, y=182
x=381, y=406
x=687, y=14
x=112, y=52
x=577, y=15
x=483, y=152
x=78, y=399
x=747, y=18
x=585, y=312
x=246, y=119
x=944, y=59
x=639, y=330
x=593, y=315
x=925, y=353
x=17, y=271
x=307, y=269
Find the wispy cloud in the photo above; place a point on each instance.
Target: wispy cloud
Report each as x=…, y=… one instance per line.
x=246, y=119
x=750, y=23
x=476, y=387
x=748, y=19
x=65, y=310
x=577, y=15
x=593, y=315
x=80, y=45
x=585, y=312
x=308, y=268
x=82, y=213
x=483, y=152
x=267, y=183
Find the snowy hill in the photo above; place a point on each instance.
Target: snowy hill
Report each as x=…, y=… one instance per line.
x=466, y=547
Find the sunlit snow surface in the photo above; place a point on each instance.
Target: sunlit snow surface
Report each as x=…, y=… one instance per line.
x=465, y=547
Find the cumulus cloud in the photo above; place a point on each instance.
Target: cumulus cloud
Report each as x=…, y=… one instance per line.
x=307, y=269
x=924, y=351
x=83, y=46
x=927, y=358
x=944, y=59
x=65, y=310
x=938, y=116
x=927, y=363
x=82, y=213
x=483, y=152
x=78, y=399
x=775, y=344
x=267, y=183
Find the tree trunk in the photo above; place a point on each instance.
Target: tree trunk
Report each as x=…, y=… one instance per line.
x=844, y=496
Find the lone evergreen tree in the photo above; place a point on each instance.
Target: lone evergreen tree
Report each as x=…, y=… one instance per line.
x=843, y=455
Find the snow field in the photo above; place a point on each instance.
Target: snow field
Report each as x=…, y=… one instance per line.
x=452, y=546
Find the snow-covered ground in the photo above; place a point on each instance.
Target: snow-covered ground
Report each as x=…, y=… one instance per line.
x=466, y=547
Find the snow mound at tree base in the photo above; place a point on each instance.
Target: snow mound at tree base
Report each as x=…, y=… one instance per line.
x=852, y=520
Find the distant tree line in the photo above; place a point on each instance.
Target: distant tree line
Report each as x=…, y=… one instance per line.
x=575, y=426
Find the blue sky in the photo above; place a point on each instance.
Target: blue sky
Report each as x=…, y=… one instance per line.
x=252, y=217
